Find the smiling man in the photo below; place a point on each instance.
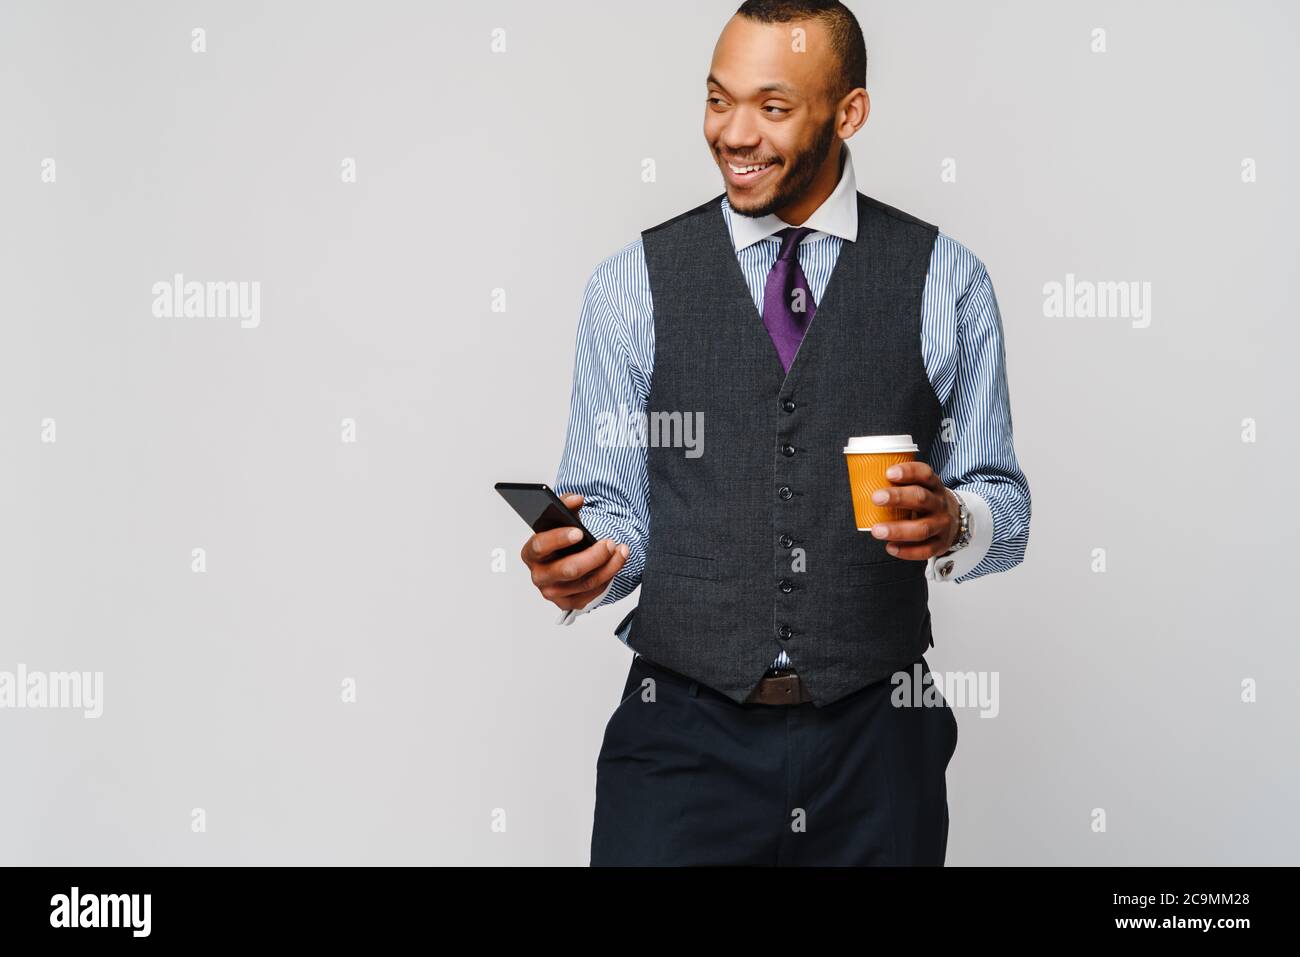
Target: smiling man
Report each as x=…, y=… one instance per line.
x=757, y=724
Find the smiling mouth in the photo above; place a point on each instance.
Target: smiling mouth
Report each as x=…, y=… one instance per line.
x=747, y=173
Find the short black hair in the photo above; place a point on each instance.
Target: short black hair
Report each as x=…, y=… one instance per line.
x=846, y=35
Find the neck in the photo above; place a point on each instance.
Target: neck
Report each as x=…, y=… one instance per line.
x=823, y=184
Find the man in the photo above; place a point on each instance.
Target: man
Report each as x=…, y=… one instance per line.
x=757, y=724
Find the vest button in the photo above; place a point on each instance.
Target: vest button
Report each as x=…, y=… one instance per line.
x=786, y=585
x=788, y=405
x=786, y=541
x=785, y=631
x=785, y=493
x=787, y=450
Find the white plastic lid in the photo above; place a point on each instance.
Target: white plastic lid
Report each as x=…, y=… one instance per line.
x=880, y=443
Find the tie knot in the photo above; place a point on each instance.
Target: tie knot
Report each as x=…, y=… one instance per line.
x=791, y=237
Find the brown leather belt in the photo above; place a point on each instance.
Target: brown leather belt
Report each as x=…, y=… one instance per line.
x=782, y=688
x=776, y=687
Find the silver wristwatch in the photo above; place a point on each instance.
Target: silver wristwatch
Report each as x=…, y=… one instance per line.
x=964, y=529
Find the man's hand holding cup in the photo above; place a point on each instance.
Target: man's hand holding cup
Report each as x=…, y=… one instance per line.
x=936, y=516
x=899, y=499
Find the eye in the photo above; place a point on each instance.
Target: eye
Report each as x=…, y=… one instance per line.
x=713, y=99
x=779, y=109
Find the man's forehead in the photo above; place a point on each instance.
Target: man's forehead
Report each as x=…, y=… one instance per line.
x=753, y=57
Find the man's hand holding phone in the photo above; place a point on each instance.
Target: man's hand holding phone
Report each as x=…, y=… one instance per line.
x=573, y=581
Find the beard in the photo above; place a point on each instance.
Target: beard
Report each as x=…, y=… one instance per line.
x=800, y=171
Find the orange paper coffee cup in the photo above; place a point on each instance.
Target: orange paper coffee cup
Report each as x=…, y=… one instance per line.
x=868, y=456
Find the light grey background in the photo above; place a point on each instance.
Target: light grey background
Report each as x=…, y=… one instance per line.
x=521, y=171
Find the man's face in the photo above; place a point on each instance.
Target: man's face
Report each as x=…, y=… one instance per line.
x=769, y=106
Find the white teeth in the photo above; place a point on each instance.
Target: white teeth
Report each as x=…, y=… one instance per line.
x=748, y=169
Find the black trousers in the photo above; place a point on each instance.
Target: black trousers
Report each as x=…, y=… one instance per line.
x=693, y=778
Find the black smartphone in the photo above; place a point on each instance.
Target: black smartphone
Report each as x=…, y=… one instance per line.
x=542, y=509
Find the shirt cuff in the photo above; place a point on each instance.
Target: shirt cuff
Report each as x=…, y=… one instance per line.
x=570, y=616
x=943, y=568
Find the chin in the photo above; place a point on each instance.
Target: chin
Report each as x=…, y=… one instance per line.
x=749, y=205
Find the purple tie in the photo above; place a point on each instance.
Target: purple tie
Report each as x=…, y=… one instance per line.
x=788, y=304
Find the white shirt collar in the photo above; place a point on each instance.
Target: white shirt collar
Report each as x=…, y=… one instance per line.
x=836, y=216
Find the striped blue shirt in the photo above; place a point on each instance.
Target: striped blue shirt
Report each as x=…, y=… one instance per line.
x=961, y=342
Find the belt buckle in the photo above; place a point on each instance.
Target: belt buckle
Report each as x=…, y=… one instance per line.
x=787, y=681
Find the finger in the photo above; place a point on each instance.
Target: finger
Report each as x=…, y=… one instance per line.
x=577, y=593
x=570, y=568
x=578, y=601
x=908, y=496
x=540, y=545
x=592, y=582
x=911, y=473
x=919, y=550
x=913, y=530
x=572, y=500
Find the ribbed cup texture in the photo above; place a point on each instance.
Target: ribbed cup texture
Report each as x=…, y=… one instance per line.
x=866, y=474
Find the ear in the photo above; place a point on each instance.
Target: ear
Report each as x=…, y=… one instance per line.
x=852, y=112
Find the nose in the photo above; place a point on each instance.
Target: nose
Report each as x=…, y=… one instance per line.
x=740, y=134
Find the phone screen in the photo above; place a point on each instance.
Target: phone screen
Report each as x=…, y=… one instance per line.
x=549, y=518
x=537, y=506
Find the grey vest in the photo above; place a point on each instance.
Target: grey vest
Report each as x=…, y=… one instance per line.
x=753, y=545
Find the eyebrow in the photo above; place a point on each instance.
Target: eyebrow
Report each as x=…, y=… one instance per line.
x=765, y=88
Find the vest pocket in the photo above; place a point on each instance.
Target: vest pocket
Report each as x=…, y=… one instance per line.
x=687, y=566
x=879, y=573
